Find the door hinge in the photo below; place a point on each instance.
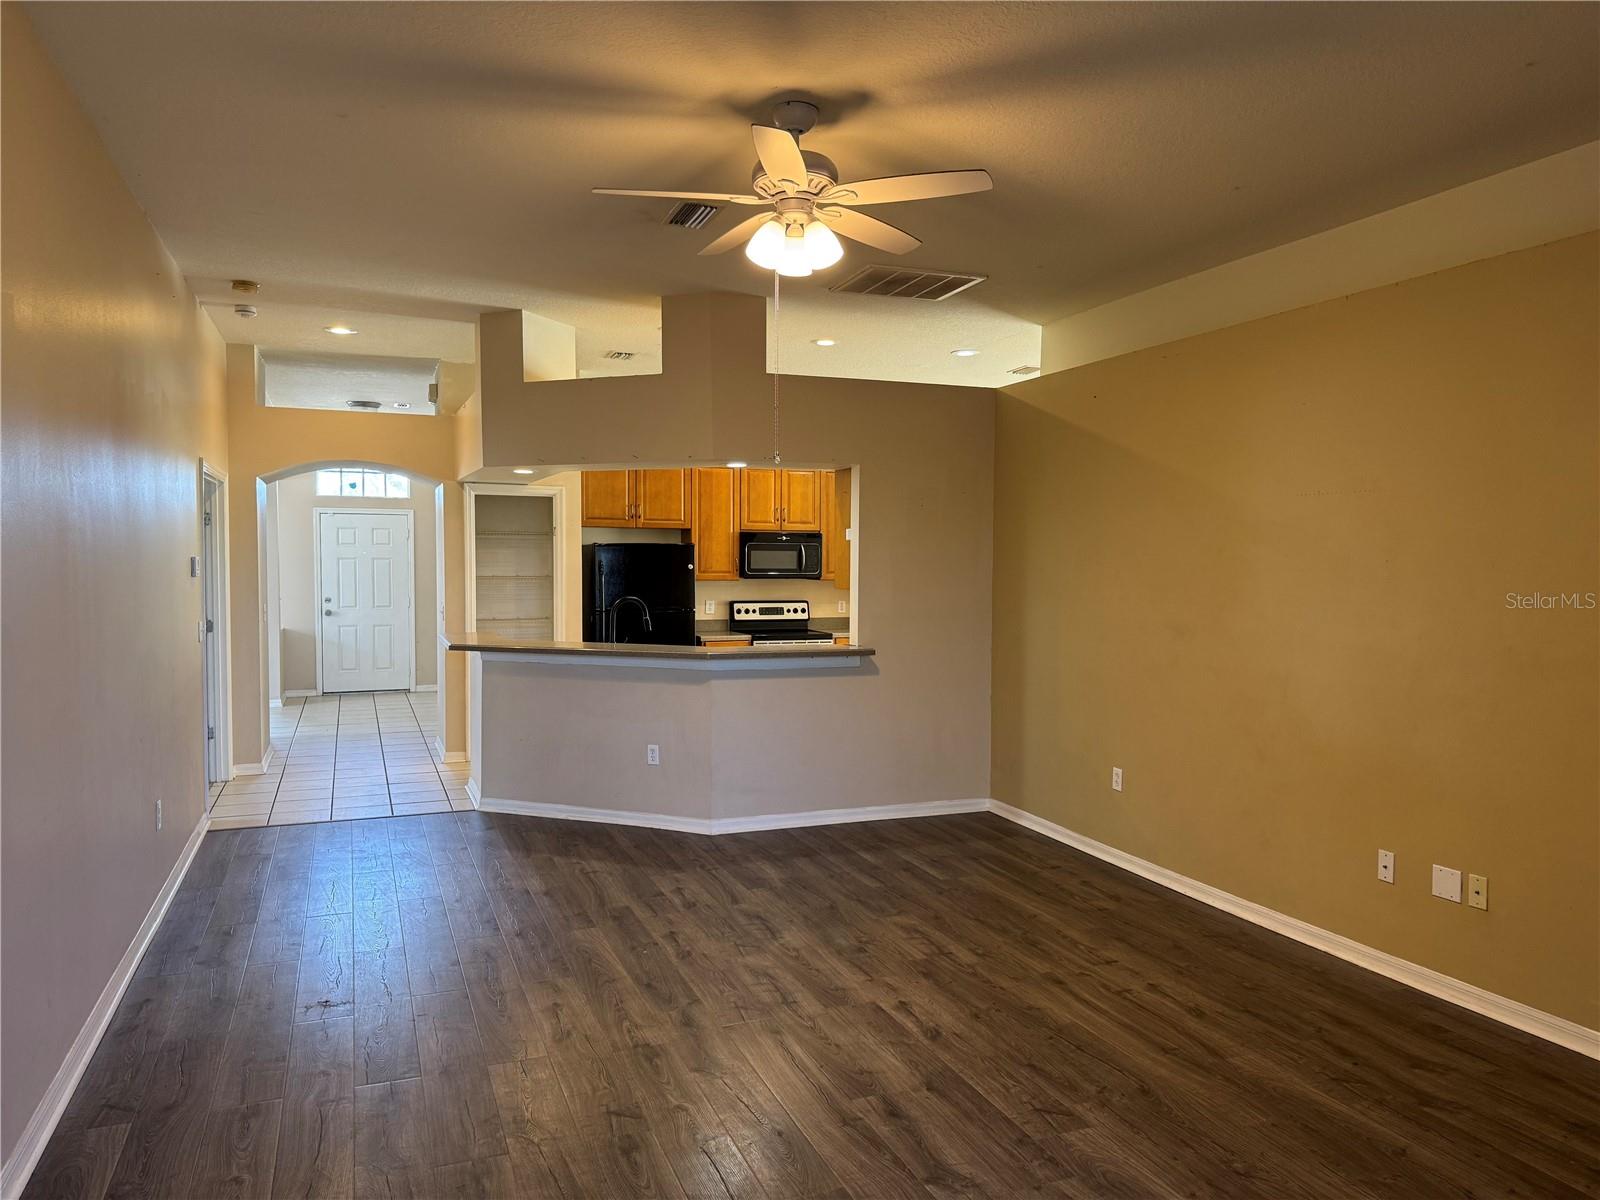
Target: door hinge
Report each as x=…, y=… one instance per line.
x=211, y=733
x=208, y=518
x=210, y=628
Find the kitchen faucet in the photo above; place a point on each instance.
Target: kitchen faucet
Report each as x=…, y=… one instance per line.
x=611, y=613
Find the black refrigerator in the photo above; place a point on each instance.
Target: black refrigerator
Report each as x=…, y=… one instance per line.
x=624, y=582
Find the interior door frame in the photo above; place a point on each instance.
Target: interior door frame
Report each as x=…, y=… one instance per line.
x=558, y=546
x=317, y=512
x=216, y=668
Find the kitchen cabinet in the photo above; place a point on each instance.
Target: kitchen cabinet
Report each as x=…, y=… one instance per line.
x=607, y=500
x=776, y=499
x=715, y=508
x=645, y=499
x=835, y=521
x=661, y=499
x=802, y=500
x=760, y=498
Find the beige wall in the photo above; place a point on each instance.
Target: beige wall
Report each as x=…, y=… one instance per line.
x=1264, y=571
x=913, y=725
x=297, y=597
x=113, y=391
x=268, y=443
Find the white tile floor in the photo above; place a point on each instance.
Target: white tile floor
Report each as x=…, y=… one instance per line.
x=344, y=757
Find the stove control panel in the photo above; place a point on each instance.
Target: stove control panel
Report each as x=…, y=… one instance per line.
x=764, y=611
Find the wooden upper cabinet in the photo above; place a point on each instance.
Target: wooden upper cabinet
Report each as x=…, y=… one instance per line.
x=661, y=498
x=774, y=499
x=835, y=530
x=716, y=522
x=655, y=499
x=831, y=540
x=607, y=499
x=760, y=498
x=802, y=500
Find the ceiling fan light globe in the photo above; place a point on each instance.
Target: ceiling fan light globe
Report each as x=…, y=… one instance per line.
x=766, y=247
x=822, y=246
x=793, y=260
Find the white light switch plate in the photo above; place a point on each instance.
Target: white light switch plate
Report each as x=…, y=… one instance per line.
x=1447, y=883
x=711, y=608
x=1116, y=779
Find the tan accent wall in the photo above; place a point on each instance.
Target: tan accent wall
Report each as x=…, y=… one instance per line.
x=113, y=392
x=1264, y=571
x=913, y=724
x=267, y=443
x=297, y=595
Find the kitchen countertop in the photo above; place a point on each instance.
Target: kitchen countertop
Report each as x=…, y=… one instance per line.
x=489, y=643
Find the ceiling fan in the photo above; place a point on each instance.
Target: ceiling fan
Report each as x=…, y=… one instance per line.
x=808, y=205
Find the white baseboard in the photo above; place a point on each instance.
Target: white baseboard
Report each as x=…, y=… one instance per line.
x=259, y=768
x=1498, y=1008
x=299, y=693
x=426, y=687
x=449, y=756
x=36, y=1134
x=275, y=702
x=473, y=793
x=714, y=826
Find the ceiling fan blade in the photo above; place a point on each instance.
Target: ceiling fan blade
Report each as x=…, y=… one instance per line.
x=894, y=188
x=869, y=230
x=709, y=197
x=780, y=156
x=738, y=235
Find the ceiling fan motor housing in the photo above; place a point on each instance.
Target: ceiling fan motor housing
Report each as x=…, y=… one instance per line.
x=820, y=171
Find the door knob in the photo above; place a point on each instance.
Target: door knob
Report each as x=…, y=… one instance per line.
x=327, y=612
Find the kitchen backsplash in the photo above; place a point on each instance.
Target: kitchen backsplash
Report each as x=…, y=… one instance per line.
x=824, y=597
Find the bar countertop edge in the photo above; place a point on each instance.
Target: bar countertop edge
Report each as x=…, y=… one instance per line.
x=486, y=643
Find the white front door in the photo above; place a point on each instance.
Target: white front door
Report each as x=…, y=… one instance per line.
x=366, y=600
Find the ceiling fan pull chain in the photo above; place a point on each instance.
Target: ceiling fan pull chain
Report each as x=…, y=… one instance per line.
x=777, y=352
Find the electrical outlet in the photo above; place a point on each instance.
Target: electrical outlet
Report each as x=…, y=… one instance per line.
x=652, y=755
x=1386, y=865
x=1478, y=891
x=1447, y=883
x=844, y=607
x=1116, y=779
x=711, y=608
x=158, y=814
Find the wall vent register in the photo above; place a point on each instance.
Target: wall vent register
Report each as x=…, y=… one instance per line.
x=910, y=285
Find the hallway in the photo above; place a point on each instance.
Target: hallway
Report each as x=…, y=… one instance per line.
x=347, y=757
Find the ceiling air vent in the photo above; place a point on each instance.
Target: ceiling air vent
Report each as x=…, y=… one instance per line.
x=899, y=281
x=619, y=355
x=363, y=404
x=691, y=214
x=1023, y=371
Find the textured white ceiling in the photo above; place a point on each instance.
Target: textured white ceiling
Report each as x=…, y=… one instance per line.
x=434, y=160
x=333, y=380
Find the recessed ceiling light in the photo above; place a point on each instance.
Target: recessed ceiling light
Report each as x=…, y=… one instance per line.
x=522, y=470
x=736, y=464
x=823, y=342
x=964, y=353
x=338, y=330
x=401, y=404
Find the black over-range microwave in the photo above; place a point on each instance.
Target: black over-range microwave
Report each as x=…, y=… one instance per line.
x=780, y=555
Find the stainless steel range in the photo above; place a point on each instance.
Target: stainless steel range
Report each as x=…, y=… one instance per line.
x=776, y=623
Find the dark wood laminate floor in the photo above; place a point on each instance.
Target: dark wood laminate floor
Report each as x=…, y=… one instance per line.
x=473, y=1005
